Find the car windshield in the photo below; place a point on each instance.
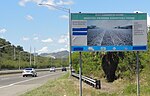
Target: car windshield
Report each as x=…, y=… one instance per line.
x=28, y=69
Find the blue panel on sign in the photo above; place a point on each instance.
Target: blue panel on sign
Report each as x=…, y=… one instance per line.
x=139, y=47
x=79, y=33
x=79, y=29
x=78, y=49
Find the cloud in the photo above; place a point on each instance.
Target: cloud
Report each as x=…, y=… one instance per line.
x=63, y=39
x=51, y=2
x=29, y=17
x=43, y=50
x=3, y=30
x=35, y=38
x=25, y=39
x=49, y=40
x=61, y=49
x=64, y=17
x=62, y=2
x=23, y=2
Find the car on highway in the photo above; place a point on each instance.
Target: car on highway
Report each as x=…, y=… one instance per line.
x=29, y=72
x=52, y=69
x=64, y=69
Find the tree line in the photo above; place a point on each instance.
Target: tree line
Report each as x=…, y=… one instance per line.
x=14, y=57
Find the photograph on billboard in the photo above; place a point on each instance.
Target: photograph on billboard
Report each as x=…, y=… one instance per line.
x=108, y=31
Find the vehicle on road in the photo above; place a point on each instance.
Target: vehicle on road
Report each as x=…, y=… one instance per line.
x=64, y=69
x=29, y=72
x=52, y=69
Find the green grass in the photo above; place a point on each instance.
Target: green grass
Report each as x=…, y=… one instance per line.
x=69, y=86
x=65, y=86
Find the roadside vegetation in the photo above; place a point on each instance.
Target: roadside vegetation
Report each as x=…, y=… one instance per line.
x=123, y=83
x=9, y=59
x=69, y=86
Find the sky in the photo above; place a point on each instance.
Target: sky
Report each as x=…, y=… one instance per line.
x=45, y=28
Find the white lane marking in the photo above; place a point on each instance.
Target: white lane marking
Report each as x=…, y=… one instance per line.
x=26, y=80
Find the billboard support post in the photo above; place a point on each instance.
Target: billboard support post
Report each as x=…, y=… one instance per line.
x=80, y=73
x=137, y=73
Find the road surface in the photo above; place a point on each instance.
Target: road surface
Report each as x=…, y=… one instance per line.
x=15, y=84
x=114, y=37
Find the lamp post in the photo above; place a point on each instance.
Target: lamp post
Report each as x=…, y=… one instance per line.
x=19, y=58
x=68, y=11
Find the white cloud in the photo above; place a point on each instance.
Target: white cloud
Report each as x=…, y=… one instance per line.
x=43, y=50
x=29, y=17
x=61, y=49
x=35, y=38
x=23, y=2
x=3, y=30
x=25, y=39
x=49, y=40
x=51, y=2
x=63, y=39
x=64, y=17
x=62, y=2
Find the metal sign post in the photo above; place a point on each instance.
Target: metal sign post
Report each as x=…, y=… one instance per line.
x=137, y=73
x=80, y=75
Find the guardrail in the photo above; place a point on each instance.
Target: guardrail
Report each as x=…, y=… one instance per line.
x=93, y=82
x=20, y=71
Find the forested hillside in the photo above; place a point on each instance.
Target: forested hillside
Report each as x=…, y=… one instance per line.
x=14, y=57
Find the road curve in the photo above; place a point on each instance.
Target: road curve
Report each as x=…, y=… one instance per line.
x=15, y=84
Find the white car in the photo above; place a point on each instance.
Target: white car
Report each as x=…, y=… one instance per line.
x=29, y=72
x=52, y=69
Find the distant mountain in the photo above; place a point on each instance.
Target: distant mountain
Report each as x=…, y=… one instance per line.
x=60, y=54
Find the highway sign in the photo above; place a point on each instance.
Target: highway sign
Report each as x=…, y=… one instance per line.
x=108, y=31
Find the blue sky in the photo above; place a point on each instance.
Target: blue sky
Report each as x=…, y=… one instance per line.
x=25, y=23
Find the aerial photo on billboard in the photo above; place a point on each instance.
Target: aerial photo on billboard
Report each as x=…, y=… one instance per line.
x=108, y=31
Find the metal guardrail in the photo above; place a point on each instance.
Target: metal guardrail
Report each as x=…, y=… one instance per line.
x=93, y=82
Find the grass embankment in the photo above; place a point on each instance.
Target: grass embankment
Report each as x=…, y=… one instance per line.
x=69, y=86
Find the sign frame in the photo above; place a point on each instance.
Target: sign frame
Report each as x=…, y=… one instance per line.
x=84, y=26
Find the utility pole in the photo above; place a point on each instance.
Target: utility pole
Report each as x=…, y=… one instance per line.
x=30, y=55
x=34, y=57
x=14, y=53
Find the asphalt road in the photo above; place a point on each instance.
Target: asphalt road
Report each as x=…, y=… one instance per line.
x=114, y=37
x=15, y=84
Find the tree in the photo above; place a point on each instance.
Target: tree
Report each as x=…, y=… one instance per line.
x=110, y=63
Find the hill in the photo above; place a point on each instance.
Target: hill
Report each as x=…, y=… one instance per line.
x=60, y=54
x=14, y=57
